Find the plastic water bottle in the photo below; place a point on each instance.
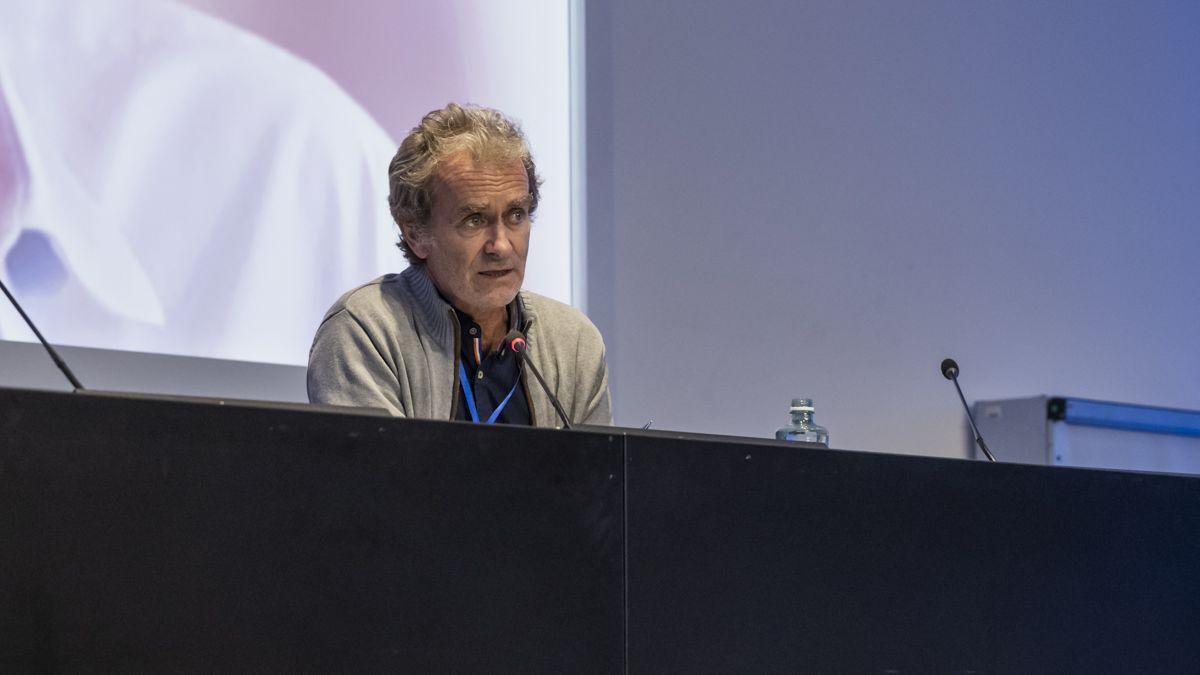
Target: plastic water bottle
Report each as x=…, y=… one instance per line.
x=802, y=427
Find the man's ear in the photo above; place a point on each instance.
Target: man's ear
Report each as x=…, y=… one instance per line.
x=416, y=243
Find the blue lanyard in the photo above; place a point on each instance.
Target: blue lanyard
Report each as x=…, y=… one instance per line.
x=466, y=387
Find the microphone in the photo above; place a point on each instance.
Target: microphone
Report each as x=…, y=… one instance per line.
x=516, y=342
x=950, y=372
x=62, y=365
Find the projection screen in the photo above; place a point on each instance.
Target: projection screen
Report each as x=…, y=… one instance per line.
x=205, y=178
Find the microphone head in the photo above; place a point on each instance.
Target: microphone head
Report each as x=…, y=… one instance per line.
x=949, y=369
x=516, y=341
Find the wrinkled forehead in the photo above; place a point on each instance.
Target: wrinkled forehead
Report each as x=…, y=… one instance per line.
x=461, y=177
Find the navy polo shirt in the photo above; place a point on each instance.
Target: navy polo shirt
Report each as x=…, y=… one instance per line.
x=492, y=377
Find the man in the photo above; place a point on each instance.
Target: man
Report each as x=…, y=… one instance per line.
x=429, y=342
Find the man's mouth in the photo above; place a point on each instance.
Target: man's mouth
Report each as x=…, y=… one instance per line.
x=496, y=274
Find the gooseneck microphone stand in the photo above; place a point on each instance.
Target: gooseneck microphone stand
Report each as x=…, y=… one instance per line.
x=50, y=350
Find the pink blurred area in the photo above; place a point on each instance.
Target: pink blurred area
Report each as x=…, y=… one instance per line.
x=397, y=58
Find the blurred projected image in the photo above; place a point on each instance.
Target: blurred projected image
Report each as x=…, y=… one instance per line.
x=172, y=180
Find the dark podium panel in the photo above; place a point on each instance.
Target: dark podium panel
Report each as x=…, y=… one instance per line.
x=151, y=535
x=767, y=558
x=162, y=536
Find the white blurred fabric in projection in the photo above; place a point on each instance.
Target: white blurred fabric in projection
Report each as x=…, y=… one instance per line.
x=174, y=180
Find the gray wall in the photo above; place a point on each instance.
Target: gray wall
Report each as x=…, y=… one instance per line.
x=825, y=199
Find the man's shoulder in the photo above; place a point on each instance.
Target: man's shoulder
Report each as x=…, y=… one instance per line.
x=379, y=297
x=558, y=318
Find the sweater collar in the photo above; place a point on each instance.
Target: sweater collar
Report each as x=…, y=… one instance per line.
x=436, y=313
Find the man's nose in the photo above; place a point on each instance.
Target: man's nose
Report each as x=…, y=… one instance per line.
x=498, y=243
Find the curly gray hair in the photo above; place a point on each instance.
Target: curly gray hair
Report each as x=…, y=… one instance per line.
x=485, y=133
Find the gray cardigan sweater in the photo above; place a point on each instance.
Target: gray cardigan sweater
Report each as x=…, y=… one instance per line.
x=392, y=343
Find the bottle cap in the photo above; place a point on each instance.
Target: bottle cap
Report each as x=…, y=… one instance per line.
x=802, y=405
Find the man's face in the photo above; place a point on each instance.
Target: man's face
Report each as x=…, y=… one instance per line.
x=478, y=235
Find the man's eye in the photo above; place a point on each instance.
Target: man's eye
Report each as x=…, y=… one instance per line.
x=473, y=220
x=517, y=216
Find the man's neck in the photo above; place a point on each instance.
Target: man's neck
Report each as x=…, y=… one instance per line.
x=493, y=329
x=493, y=325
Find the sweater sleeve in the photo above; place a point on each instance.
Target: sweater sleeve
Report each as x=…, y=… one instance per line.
x=346, y=367
x=592, y=368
